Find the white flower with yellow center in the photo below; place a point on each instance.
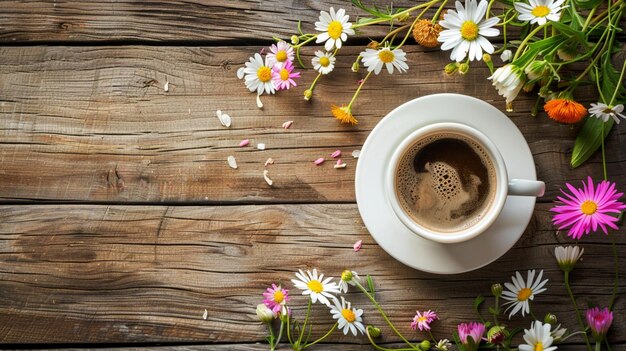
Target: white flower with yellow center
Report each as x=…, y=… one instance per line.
x=280, y=53
x=604, y=111
x=520, y=292
x=538, y=338
x=323, y=62
x=334, y=27
x=567, y=256
x=508, y=80
x=374, y=60
x=539, y=11
x=258, y=75
x=348, y=277
x=466, y=29
x=348, y=318
x=316, y=286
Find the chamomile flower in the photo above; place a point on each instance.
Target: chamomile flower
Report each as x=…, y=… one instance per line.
x=466, y=29
x=279, y=54
x=283, y=76
x=508, y=80
x=604, y=111
x=422, y=320
x=316, y=286
x=257, y=75
x=323, y=62
x=567, y=257
x=539, y=11
x=348, y=318
x=520, y=292
x=374, y=60
x=348, y=277
x=275, y=298
x=538, y=338
x=335, y=28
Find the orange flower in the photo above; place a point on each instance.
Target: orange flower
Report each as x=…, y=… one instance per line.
x=426, y=33
x=343, y=113
x=565, y=110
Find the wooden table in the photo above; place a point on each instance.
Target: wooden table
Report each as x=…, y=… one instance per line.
x=121, y=222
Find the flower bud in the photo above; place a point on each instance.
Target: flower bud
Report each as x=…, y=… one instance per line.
x=403, y=17
x=264, y=314
x=486, y=57
x=346, y=275
x=496, y=289
x=463, y=68
x=425, y=345
x=373, y=44
x=451, y=68
x=373, y=331
x=355, y=67
x=550, y=319
x=308, y=94
x=295, y=39
x=496, y=335
x=528, y=87
x=536, y=69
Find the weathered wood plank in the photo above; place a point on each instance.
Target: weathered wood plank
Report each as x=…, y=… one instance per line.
x=94, y=124
x=264, y=347
x=146, y=274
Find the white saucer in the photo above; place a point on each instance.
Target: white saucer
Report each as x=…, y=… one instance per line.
x=393, y=236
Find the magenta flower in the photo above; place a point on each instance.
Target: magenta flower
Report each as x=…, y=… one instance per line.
x=275, y=298
x=471, y=334
x=423, y=320
x=599, y=321
x=587, y=209
x=283, y=76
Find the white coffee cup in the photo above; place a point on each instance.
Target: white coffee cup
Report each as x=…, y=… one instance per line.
x=503, y=185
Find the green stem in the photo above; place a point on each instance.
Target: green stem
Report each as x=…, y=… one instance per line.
x=497, y=307
x=598, y=345
x=272, y=338
x=443, y=4
x=621, y=76
x=528, y=37
x=323, y=337
x=289, y=330
x=306, y=41
x=382, y=313
x=606, y=342
x=356, y=93
x=603, y=153
x=369, y=337
x=306, y=319
x=280, y=333
x=591, y=13
x=616, y=267
x=578, y=316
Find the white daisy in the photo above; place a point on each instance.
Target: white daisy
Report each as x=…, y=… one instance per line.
x=335, y=28
x=466, y=29
x=506, y=55
x=280, y=53
x=538, y=338
x=508, y=80
x=443, y=345
x=348, y=318
x=567, y=257
x=323, y=62
x=316, y=287
x=603, y=111
x=348, y=277
x=539, y=11
x=520, y=292
x=374, y=60
x=557, y=333
x=258, y=75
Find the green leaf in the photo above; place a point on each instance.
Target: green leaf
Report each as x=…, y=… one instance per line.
x=370, y=285
x=494, y=311
x=587, y=4
x=570, y=32
x=478, y=301
x=589, y=140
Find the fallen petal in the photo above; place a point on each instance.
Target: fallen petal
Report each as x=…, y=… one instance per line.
x=232, y=162
x=259, y=104
x=270, y=161
x=260, y=146
x=244, y=142
x=336, y=154
x=267, y=178
x=319, y=161
x=219, y=113
x=287, y=124
x=225, y=120
x=357, y=245
x=205, y=315
x=240, y=73
x=340, y=165
x=356, y=153
x=166, y=87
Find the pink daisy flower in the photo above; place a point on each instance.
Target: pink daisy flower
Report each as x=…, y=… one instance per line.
x=587, y=209
x=283, y=76
x=423, y=320
x=275, y=298
x=279, y=54
x=599, y=321
x=471, y=334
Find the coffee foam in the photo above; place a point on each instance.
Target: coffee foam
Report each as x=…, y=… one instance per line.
x=437, y=198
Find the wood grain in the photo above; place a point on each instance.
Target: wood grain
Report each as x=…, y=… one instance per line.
x=87, y=124
x=141, y=274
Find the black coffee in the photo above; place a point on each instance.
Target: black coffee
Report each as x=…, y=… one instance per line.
x=446, y=182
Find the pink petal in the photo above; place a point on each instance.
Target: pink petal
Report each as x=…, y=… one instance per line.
x=319, y=161
x=244, y=143
x=287, y=124
x=336, y=154
x=357, y=245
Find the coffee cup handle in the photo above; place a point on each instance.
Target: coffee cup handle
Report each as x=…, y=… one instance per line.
x=525, y=187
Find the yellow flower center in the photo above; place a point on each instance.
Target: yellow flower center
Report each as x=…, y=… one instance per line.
x=524, y=294
x=284, y=74
x=469, y=30
x=346, y=276
x=589, y=207
x=324, y=61
x=315, y=286
x=281, y=56
x=279, y=296
x=348, y=315
x=538, y=346
x=386, y=56
x=264, y=73
x=334, y=29
x=422, y=319
x=541, y=11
